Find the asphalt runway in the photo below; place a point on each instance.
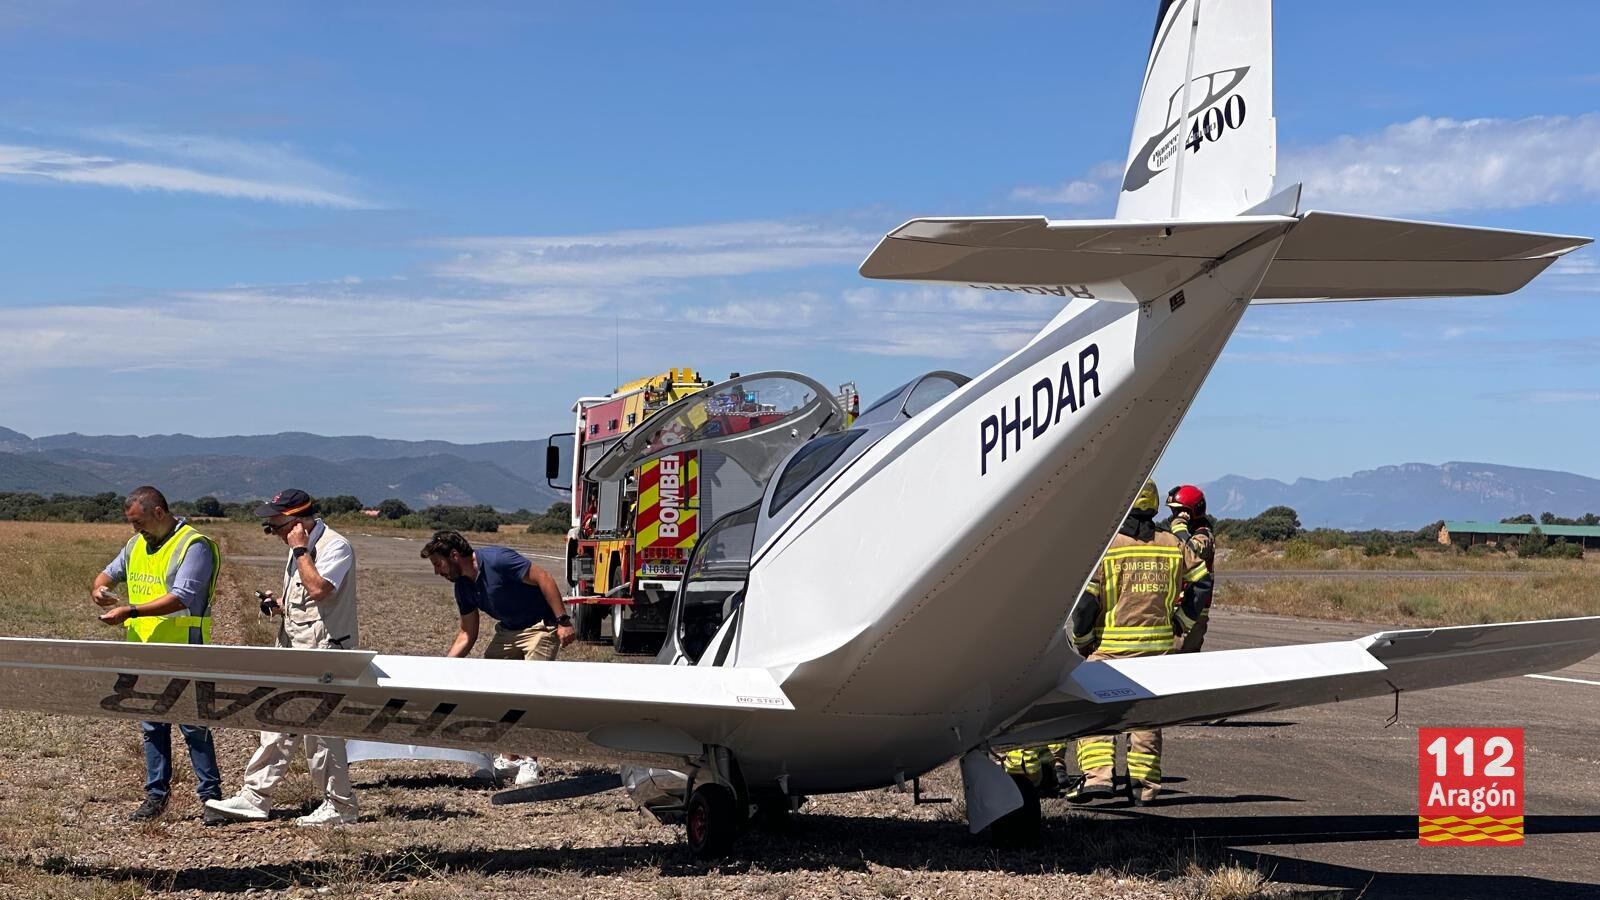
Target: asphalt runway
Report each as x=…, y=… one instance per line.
x=1327, y=795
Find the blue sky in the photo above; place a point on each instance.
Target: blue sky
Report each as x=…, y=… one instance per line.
x=421, y=222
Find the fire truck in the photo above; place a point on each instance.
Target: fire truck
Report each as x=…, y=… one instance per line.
x=631, y=538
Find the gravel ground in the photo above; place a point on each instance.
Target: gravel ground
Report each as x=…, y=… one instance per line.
x=430, y=831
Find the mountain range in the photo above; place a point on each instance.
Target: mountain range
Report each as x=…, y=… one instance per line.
x=504, y=474
x=510, y=475
x=1410, y=496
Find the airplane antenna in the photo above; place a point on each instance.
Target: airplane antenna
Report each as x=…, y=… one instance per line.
x=1183, y=129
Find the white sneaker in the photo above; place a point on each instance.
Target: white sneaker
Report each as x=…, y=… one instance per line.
x=505, y=765
x=238, y=808
x=527, y=771
x=326, y=814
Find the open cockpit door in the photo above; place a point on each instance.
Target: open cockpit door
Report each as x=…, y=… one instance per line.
x=755, y=420
x=712, y=589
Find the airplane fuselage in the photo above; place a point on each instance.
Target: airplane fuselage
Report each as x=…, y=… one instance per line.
x=937, y=571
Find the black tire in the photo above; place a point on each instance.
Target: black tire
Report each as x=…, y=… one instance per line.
x=1022, y=826
x=711, y=822
x=587, y=618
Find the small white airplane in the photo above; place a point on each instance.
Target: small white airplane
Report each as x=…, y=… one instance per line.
x=895, y=598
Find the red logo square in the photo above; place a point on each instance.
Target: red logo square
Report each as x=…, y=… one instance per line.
x=1469, y=787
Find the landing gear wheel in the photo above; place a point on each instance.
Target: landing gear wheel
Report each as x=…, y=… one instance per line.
x=712, y=821
x=1021, y=826
x=587, y=617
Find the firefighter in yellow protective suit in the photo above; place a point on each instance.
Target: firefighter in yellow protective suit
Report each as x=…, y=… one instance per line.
x=1148, y=583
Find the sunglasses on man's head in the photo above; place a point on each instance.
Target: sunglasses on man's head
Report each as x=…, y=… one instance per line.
x=269, y=528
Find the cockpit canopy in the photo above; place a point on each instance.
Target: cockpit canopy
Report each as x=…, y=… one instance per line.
x=755, y=420
x=911, y=398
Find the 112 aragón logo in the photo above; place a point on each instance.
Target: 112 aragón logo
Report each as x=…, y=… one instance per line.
x=1469, y=787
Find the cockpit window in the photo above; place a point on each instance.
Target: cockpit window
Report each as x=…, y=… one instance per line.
x=900, y=389
x=807, y=463
x=912, y=398
x=929, y=390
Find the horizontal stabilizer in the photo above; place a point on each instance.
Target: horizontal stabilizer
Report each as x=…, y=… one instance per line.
x=1036, y=251
x=1332, y=256
x=591, y=711
x=1119, y=695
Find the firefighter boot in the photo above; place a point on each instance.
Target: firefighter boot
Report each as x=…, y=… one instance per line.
x=1096, y=759
x=1144, y=766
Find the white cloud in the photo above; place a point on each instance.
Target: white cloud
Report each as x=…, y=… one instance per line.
x=1426, y=165
x=631, y=257
x=1430, y=165
x=1578, y=272
x=1096, y=186
x=148, y=161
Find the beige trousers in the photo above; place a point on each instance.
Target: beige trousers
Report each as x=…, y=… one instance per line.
x=325, y=757
x=1097, y=755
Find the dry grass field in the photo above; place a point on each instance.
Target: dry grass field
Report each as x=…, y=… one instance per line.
x=430, y=831
x=1346, y=584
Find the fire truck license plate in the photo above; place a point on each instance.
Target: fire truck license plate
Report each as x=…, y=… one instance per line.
x=1469, y=787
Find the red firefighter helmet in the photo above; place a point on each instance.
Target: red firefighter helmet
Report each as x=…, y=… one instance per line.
x=1189, y=497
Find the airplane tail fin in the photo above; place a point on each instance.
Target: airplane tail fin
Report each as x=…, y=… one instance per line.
x=1204, y=141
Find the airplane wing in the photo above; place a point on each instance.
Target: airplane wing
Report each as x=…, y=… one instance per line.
x=1111, y=696
x=593, y=711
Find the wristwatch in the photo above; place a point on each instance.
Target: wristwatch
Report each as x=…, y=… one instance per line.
x=298, y=552
x=564, y=621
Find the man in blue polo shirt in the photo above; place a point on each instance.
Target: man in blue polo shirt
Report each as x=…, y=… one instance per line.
x=531, y=622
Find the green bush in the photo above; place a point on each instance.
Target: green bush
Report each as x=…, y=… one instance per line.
x=1299, y=550
x=1565, y=550
x=1533, y=543
x=555, y=520
x=393, y=509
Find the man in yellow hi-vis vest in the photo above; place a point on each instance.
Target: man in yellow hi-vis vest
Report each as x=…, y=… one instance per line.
x=171, y=572
x=1148, y=581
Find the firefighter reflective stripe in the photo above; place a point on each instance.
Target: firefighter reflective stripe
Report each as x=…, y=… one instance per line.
x=1140, y=639
x=1096, y=753
x=147, y=582
x=1145, y=550
x=1144, y=766
x=1195, y=574
x=1026, y=761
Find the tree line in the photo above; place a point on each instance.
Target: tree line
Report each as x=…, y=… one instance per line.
x=1281, y=525
x=108, y=507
